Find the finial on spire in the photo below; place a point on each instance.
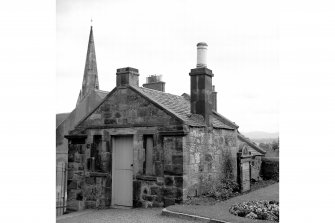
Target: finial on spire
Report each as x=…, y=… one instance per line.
x=91, y=21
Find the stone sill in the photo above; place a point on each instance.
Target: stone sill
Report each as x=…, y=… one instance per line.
x=96, y=174
x=147, y=178
x=77, y=136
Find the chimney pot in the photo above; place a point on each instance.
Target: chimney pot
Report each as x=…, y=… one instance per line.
x=202, y=54
x=155, y=82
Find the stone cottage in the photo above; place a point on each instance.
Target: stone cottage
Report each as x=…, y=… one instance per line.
x=143, y=147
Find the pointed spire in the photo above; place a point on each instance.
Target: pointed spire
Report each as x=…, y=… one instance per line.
x=90, y=80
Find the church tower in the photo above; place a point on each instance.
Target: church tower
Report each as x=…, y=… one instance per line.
x=90, y=80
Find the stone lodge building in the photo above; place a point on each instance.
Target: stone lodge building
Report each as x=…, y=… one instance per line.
x=141, y=147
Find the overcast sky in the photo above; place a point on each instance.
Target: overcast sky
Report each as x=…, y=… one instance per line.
x=160, y=37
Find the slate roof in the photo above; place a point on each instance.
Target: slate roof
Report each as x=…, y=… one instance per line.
x=60, y=117
x=101, y=93
x=255, y=153
x=258, y=150
x=180, y=107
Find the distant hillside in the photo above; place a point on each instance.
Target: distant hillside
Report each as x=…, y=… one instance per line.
x=261, y=135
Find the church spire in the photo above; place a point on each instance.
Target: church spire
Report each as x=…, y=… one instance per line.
x=90, y=80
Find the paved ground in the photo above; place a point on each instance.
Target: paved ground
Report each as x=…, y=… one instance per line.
x=137, y=215
x=220, y=210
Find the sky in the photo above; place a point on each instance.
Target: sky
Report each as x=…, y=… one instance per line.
x=160, y=37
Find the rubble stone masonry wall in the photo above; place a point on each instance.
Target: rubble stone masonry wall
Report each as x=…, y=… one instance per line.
x=204, y=150
x=126, y=107
x=90, y=179
x=180, y=163
x=89, y=175
x=164, y=188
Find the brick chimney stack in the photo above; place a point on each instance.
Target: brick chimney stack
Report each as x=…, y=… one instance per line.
x=201, y=85
x=127, y=76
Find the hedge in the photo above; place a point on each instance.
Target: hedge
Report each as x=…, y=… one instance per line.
x=270, y=168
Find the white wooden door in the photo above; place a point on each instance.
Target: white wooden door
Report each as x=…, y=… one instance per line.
x=122, y=189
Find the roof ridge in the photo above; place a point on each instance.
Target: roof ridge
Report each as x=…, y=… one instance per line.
x=102, y=91
x=225, y=119
x=161, y=92
x=251, y=143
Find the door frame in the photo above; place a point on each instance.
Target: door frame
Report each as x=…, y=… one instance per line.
x=243, y=156
x=113, y=168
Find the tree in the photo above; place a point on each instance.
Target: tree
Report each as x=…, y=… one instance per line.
x=275, y=145
x=264, y=146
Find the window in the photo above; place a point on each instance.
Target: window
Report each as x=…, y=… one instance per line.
x=148, y=144
x=93, y=162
